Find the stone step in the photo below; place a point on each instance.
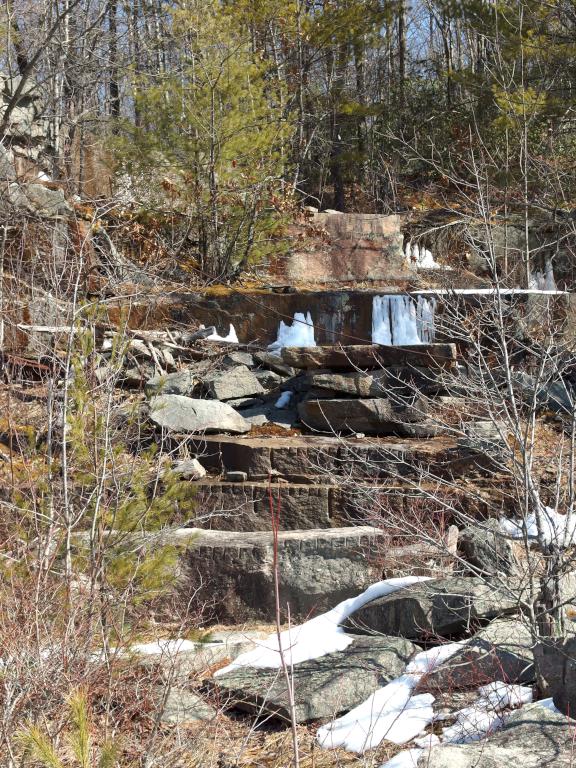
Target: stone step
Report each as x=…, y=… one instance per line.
x=305, y=459
x=352, y=357
x=245, y=506
x=233, y=573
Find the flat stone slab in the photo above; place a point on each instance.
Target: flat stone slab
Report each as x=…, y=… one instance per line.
x=372, y=416
x=440, y=607
x=234, y=572
x=370, y=356
x=323, y=687
x=184, y=707
x=377, y=383
x=306, y=458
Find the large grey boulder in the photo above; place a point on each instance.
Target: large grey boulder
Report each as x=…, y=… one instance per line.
x=186, y=414
x=533, y=737
x=556, y=664
x=500, y=651
x=233, y=383
x=554, y=396
x=370, y=416
x=437, y=607
x=323, y=687
x=487, y=550
x=183, y=707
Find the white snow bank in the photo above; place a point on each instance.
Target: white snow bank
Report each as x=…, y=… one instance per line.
x=299, y=334
x=232, y=337
x=284, y=400
x=543, y=281
x=392, y=712
x=397, y=320
x=319, y=636
x=556, y=528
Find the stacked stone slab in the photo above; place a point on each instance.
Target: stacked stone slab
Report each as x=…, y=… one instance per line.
x=363, y=441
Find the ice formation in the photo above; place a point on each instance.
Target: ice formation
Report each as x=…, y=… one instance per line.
x=398, y=320
x=299, y=334
x=556, y=528
x=421, y=257
x=319, y=636
x=543, y=281
x=232, y=337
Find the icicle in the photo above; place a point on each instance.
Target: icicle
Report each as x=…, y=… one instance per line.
x=398, y=320
x=299, y=334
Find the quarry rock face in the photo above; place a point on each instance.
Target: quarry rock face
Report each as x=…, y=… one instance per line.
x=359, y=246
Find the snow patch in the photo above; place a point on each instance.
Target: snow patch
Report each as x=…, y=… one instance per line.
x=232, y=337
x=556, y=528
x=284, y=400
x=299, y=334
x=543, y=281
x=319, y=636
x=398, y=320
x=392, y=712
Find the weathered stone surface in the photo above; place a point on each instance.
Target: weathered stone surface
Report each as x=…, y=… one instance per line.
x=556, y=664
x=48, y=202
x=269, y=379
x=378, y=383
x=267, y=413
x=246, y=507
x=237, y=357
x=232, y=383
x=184, y=707
x=179, y=383
x=360, y=246
x=436, y=607
x=303, y=458
x=185, y=414
x=233, y=572
x=370, y=356
x=533, y=737
x=487, y=550
x=500, y=651
x=274, y=363
x=371, y=416
x=323, y=687
x=190, y=469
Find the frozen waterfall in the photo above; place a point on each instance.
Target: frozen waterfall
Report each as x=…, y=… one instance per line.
x=398, y=320
x=299, y=334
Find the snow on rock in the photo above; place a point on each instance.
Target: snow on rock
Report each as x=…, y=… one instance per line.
x=398, y=320
x=168, y=647
x=543, y=281
x=299, y=334
x=284, y=400
x=392, y=712
x=232, y=337
x=408, y=758
x=319, y=636
x=485, y=715
x=556, y=528
x=421, y=257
